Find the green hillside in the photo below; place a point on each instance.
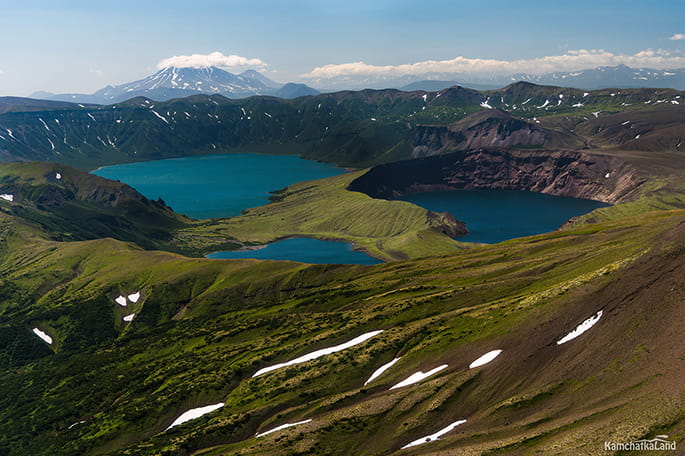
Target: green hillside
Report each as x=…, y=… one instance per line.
x=204, y=327
x=109, y=334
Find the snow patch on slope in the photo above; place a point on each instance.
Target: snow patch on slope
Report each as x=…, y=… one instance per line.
x=283, y=426
x=436, y=436
x=195, y=413
x=419, y=376
x=320, y=353
x=581, y=328
x=378, y=372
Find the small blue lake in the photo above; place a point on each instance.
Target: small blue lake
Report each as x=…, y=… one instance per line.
x=497, y=215
x=305, y=250
x=211, y=186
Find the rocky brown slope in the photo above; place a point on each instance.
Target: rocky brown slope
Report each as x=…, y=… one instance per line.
x=561, y=173
x=487, y=128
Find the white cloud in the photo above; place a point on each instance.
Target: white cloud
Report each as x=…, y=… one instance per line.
x=216, y=59
x=678, y=36
x=97, y=72
x=570, y=61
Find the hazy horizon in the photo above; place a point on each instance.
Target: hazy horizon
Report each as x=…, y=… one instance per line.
x=80, y=46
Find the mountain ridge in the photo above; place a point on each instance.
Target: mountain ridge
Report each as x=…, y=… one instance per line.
x=356, y=129
x=601, y=77
x=173, y=82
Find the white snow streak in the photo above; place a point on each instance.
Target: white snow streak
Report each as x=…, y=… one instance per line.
x=436, y=436
x=195, y=413
x=7, y=197
x=319, y=353
x=130, y=317
x=121, y=300
x=159, y=115
x=283, y=426
x=134, y=297
x=581, y=328
x=377, y=373
x=75, y=424
x=42, y=335
x=418, y=376
x=486, y=358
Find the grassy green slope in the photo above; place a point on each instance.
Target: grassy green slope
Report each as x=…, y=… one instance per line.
x=324, y=209
x=70, y=204
x=204, y=327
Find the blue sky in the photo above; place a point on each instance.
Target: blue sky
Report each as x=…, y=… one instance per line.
x=81, y=46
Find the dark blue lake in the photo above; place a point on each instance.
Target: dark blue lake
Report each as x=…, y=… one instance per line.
x=305, y=250
x=497, y=215
x=211, y=186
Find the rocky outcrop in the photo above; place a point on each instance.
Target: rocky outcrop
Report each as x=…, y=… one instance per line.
x=561, y=173
x=487, y=128
x=447, y=224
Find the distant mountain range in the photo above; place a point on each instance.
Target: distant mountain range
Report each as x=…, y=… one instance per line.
x=173, y=82
x=619, y=77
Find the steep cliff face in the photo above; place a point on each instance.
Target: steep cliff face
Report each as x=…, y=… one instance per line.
x=487, y=128
x=561, y=173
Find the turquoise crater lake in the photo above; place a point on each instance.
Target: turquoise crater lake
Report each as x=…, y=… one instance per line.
x=498, y=215
x=306, y=250
x=210, y=186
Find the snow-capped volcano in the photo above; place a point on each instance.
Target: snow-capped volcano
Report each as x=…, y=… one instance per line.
x=175, y=82
x=202, y=80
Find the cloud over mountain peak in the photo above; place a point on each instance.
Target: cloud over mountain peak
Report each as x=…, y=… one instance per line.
x=213, y=59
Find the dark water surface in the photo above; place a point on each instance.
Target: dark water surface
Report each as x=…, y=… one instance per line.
x=305, y=250
x=497, y=215
x=217, y=185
